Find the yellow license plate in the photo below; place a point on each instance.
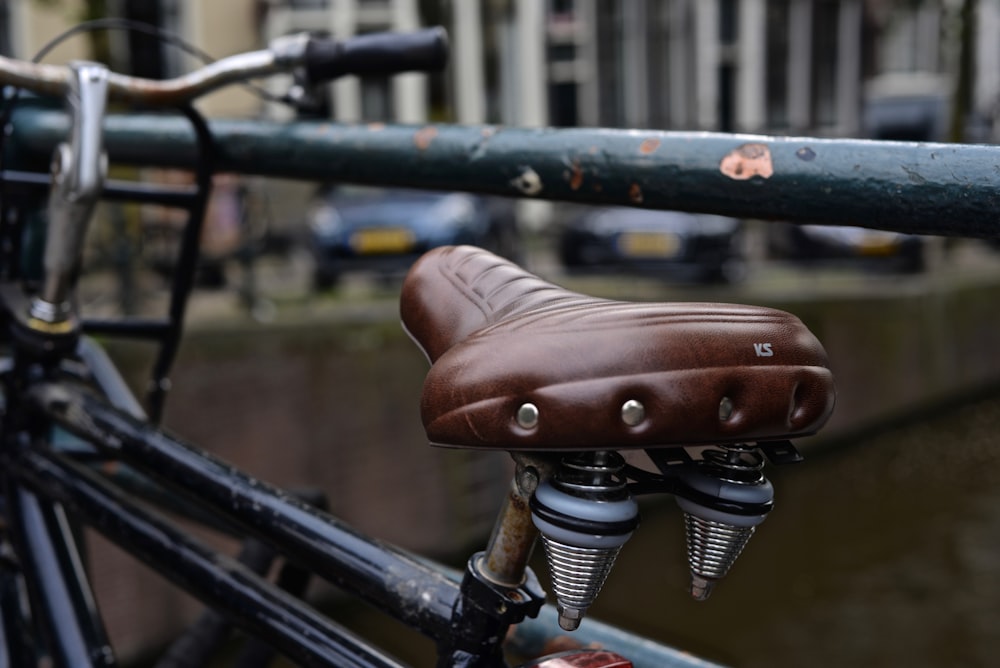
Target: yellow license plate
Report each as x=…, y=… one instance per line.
x=382, y=241
x=648, y=245
x=878, y=247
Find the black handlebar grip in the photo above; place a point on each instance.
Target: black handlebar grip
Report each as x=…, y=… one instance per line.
x=377, y=54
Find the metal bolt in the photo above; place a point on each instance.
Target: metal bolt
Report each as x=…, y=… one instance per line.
x=725, y=409
x=527, y=415
x=527, y=481
x=633, y=413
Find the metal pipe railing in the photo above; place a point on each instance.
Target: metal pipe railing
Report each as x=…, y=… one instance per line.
x=945, y=189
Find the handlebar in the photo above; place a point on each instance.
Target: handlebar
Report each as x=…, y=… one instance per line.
x=377, y=54
x=321, y=59
x=80, y=164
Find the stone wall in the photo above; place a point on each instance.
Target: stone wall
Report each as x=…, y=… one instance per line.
x=334, y=404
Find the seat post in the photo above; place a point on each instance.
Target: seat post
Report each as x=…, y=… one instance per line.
x=514, y=535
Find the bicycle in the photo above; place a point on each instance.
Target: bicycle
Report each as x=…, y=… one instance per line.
x=518, y=364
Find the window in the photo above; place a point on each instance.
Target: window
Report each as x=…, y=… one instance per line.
x=145, y=55
x=776, y=64
x=825, y=51
x=376, y=99
x=609, y=63
x=6, y=44
x=728, y=28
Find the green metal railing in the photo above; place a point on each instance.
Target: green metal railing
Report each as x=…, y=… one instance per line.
x=945, y=189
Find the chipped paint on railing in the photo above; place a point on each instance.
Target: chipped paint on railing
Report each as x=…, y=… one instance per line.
x=747, y=161
x=928, y=188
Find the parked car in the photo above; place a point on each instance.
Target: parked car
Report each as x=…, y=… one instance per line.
x=866, y=248
x=686, y=246
x=911, y=106
x=354, y=228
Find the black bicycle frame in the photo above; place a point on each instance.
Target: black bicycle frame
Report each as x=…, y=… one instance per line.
x=834, y=181
x=380, y=574
x=40, y=481
x=423, y=598
x=467, y=618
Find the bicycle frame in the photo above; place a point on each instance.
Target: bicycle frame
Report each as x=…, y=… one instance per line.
x=926, y=188
x=428, y=599
x=466, y=617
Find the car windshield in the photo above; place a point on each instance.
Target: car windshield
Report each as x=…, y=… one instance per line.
x=610, y=220
x=352, y=195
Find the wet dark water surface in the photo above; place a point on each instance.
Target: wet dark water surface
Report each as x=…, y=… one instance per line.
x=880, y=552
x=883, y=552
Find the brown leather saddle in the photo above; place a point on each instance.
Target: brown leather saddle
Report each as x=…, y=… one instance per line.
x=519, y=363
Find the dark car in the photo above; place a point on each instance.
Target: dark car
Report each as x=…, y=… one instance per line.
x=862, y=247
x=686, y=246
x=909, y=106
x=386, y=230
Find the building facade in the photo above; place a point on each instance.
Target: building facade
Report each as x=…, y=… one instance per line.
x=776, y=66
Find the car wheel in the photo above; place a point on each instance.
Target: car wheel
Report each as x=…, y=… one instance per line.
x=324, y=279
x=505, y=242
x=730, y=271
x=211, y=275
x=913, y=261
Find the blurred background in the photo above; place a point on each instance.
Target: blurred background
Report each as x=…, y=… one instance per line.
x=882, y=546
x=908, y=70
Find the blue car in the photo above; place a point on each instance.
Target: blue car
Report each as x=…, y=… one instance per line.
x=385, y=230
x=669, y=244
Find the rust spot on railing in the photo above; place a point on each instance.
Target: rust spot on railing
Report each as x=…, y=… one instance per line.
x=649, y=146
x=575, y=175
x=635, y=193
x=747, y=161
x=424, y=136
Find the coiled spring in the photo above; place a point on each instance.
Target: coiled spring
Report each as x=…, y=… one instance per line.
x=578, y=573
x=713, y=546
x=739, y=463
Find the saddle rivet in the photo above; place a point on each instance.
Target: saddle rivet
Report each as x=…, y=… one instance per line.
x=633, y=413
x=725, y=409
x=527, y=415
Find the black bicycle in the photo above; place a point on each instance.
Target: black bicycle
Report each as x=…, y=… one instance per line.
x=562, y=381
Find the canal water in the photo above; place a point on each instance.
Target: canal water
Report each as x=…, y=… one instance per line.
x=880, y=552
x=883, y=551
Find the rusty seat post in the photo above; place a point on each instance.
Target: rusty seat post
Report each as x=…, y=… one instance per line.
x=512, y=542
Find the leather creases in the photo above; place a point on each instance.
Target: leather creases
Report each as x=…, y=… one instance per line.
x=499, y=338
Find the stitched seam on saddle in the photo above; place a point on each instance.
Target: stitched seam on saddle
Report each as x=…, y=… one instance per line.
x=449, y=270
x=592, y=313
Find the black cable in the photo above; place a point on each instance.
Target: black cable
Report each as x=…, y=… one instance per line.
x=8, y=104
x=161, y=34
x=115, y=23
